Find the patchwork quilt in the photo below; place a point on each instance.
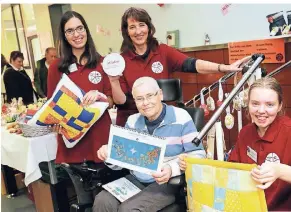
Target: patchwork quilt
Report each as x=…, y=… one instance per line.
x=66, y=109
x=222, y=186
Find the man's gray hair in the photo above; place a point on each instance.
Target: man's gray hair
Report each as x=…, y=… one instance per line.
x=149, y=81
x=49, y=48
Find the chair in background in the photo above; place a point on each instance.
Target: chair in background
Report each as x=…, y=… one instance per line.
x=172, y=91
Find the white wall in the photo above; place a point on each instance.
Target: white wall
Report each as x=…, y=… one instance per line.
x=243, y=22
x=43, y=25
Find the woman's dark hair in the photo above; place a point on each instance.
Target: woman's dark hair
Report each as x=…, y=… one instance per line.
x=3, y=62
x=15, y=54
x=65, y=49
x=142, y=16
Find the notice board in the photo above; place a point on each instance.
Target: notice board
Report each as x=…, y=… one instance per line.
x=273, y=49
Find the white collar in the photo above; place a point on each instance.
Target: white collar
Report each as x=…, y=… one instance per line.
x=47, y=65
x=14, y=67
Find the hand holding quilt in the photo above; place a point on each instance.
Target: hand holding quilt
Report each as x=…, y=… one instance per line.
x=222, y=186
x=66, y=108
x=93, y=96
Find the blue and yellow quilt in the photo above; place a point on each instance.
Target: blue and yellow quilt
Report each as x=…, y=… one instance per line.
x=66, y=109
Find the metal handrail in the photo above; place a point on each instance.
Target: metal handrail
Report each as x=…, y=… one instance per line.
x=214, y=85
x=257, y=58
x=226, y=77
x=278, y=70
x=210, y=88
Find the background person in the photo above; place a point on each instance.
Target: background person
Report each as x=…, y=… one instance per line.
x=4, y=65
x=16, y=80
x=40, y=74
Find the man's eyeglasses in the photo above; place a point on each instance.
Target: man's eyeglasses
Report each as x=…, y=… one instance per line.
x=71, y=32
x=149, y=97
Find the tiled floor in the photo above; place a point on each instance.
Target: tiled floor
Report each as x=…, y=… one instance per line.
x=20, y=203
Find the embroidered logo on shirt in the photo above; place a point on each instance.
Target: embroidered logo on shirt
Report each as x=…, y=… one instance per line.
x=157, y=67
x=95, y=77
x=272, y=158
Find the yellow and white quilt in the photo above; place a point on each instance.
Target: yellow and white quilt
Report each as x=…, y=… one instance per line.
x=222, y=186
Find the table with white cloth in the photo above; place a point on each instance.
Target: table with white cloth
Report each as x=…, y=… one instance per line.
x=25, y=154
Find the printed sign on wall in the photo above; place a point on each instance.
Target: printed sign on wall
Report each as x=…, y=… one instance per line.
x=273, y=49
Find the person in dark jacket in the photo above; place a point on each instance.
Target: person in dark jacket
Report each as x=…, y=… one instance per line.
x=17, y=82
x=40, y=74
x=3, y=63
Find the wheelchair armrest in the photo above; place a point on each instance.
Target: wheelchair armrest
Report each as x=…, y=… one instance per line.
x=80, y=207
x=178, y=180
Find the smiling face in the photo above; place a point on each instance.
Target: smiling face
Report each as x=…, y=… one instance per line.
x=263, y=107
x=148, y=100
x=138, y=32
x=75, y=33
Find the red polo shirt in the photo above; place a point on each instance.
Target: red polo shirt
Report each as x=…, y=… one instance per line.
x=277, y=139
x=158, y=65
x=99, y=132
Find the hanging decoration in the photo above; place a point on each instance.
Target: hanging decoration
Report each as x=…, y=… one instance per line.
x=237, y=102
x=228, y=119
x=220, y=94
x=220, y=143
x=203, y=105
x=210, y=143
x=210, y=101
x=225, y=8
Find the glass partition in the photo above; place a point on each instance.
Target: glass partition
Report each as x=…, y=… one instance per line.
x=21, y=35
x=8, y=35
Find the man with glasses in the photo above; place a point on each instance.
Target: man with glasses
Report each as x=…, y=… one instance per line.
x=156, y=118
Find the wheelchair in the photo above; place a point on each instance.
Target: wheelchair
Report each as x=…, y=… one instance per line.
x=89, y=178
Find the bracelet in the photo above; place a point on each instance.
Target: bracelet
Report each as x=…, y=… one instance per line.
x=219, y=70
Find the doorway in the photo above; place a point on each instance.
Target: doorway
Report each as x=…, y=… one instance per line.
x=34, y=50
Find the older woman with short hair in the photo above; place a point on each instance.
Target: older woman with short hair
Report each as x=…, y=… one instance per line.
x=16, y=80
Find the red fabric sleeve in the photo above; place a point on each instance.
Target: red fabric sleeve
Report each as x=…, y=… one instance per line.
x=123, y=85
x=235, y=153
x=54, y=76
x=106, y=86
x=175, y=58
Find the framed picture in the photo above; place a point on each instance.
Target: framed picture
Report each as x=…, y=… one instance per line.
x=173, y=38
x=135, y=150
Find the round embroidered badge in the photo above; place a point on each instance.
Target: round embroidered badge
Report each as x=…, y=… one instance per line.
x=272, y=158
x=95, y=77
x=157, y=67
